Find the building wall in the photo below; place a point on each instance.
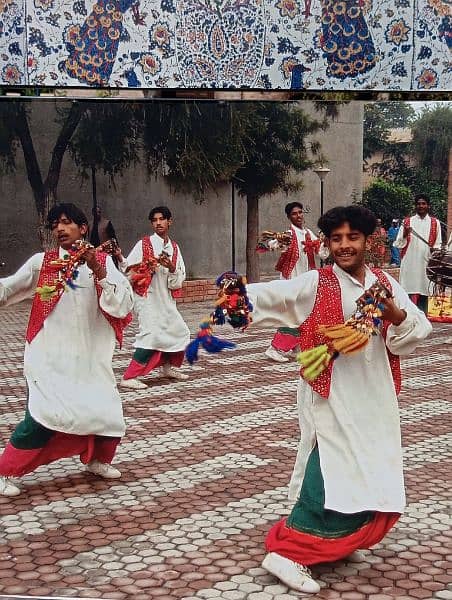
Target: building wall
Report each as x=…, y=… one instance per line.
x=203, y=230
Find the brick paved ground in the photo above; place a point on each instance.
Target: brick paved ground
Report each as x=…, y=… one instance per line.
x=205, y=468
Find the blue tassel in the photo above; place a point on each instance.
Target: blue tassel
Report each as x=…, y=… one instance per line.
x=210, y=343
x=191, y=351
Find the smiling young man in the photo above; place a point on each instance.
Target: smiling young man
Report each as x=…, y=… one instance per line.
x=297, y=259
x=347, y=482
x=162, y=333
x=415, y=253
x=73, y=405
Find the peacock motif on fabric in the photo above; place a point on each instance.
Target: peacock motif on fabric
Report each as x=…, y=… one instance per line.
x=93, y=46
x=220, y=43
x=443, y=9
x=346, y=40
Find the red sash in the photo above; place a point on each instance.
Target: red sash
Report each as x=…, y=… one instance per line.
x=328, y=311
x=41, y=309
x=148, y=254
x=289, y=258
x=431, y=237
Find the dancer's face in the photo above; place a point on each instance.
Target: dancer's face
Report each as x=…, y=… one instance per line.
x=347, y=247
x=66, y=232
x=160, y=224
x=422, y=207
x=296, y=217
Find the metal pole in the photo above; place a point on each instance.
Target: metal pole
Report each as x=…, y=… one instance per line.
x=321, y=197
x=321, y=209
x=233, y=225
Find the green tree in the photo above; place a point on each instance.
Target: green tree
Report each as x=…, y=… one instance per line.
x=432, y=141
x=388, y=200
x=279, y=148
x=15, y=131
x=379, y=118
x=106, y=140
x=262, y=145
x=196, y=145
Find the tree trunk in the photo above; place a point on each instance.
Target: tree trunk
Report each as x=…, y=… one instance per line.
x=45, y=192
x=45, y=235
x=252, y=234
x=449, y=199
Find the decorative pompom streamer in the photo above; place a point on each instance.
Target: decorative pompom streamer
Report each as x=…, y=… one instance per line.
x=68, y=268
x=232, y=306
x=208, y=341
x=274, y=240
x=349, y=337
x=140, y=276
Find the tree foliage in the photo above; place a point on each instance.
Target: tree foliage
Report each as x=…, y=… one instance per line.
x=196, y=145
x=432, y=141
x=419, y=167
x=106, y=138
x=262, y=146
x=379, y=118
x=388, y=200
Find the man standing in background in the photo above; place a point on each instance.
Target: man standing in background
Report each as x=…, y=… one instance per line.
x=417, y=236
x=299, y=257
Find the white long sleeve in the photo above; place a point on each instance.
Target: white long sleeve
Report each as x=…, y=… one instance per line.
x=283, y=302
x=22, y=284
x=117, y=296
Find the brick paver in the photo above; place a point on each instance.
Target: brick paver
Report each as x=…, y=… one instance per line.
x=205, y=468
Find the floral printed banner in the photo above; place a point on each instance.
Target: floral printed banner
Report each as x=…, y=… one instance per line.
x=238, y=44
x=12, y=42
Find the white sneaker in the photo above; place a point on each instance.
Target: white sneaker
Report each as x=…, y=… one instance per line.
x=103, y=470
x=275, y=355
x=7, y=488
x=296, y=576
x=132, y=384
x=173, y=373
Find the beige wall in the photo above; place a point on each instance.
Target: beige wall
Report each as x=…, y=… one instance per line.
x=202, y=230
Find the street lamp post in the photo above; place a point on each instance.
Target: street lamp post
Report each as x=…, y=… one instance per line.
x=321, y=172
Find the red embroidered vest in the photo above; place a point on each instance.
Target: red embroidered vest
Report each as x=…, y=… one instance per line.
x=431, y=236
x=327, y=310
x=148, y=254
x=41, y=309
x=288, y=259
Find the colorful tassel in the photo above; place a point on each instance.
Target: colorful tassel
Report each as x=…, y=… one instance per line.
x=232, y=306
x=349, y=337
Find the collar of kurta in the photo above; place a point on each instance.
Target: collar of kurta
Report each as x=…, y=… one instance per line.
x=41, y=309
x=327, y=310
x=432, y=233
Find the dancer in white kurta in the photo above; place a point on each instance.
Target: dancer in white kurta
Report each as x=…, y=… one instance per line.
x=73, y=404
x=415, y=252
x=348, y=479
x=303, y=254
x=162, y=332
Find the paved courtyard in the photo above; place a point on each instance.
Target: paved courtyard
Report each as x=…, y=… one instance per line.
x=205, y=468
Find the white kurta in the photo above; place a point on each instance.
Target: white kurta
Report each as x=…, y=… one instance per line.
x=413, y=277
x=71, y=385
x=357, y=429
x=160, y=324
x=302, y=264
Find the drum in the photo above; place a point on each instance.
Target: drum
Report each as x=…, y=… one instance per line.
x=439, y=268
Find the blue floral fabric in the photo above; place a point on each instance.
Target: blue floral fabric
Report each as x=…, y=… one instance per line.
x=239, y=44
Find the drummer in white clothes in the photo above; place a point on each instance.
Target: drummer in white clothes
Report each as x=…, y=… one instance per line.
x=157, y=271
x=415, y=252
